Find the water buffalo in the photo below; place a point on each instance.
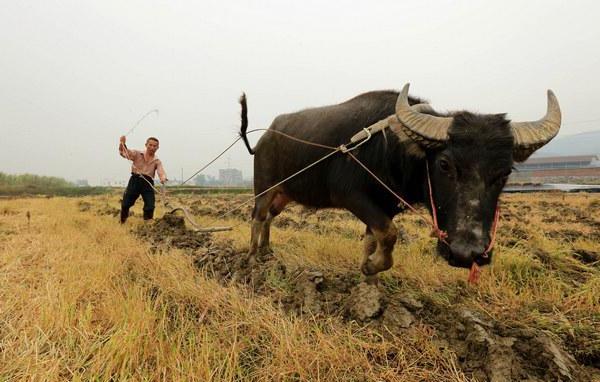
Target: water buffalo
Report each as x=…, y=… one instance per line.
x=469, y=157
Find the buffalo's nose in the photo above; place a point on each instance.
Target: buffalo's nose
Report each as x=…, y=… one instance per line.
x=463, y=254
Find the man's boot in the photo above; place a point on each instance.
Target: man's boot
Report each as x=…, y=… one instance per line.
x=148, y=214
x=124, y=214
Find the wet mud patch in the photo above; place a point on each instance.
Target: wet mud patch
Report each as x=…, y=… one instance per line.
x=587, y=256
x=510, y=235
x=569, y=235
x=84, y=206
x=170, y=231
x=108, y=210
x=485, y=348
x=491, y=351
x=215, y=207
x=7, y=211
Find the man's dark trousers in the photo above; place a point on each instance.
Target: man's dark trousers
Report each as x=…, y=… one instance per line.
x=138, y=186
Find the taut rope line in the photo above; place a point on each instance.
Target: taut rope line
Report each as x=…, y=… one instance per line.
x=162, y=192
x=357, y=140
x=167, y=204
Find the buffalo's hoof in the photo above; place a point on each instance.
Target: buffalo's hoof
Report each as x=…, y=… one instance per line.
x=372, y=279
x=368, y=268
x=250, y=259
x=266, y=250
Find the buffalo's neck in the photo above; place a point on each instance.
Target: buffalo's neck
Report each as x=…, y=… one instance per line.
x=395, y=164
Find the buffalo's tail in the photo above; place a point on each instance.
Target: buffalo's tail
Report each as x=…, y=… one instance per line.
x=244, y=126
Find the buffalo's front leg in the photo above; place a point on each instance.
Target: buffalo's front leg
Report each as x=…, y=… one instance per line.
x=369, y=245
x=380, y=237
x=381, y=260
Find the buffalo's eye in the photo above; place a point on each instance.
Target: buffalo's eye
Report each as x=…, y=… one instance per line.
x=444, y=165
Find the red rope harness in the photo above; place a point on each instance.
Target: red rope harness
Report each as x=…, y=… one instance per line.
x=493, y=231
x=475, y=271
x=441, y=234
x=436, y=231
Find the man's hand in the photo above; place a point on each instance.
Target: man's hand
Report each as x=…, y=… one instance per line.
x=122, y=139
x=163, y=181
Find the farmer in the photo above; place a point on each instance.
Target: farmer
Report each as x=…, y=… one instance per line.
x=144, y=165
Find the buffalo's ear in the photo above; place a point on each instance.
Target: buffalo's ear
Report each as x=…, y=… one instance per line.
x=412, y=148
x=521, y=155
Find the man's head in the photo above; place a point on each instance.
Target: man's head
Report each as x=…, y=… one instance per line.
x=151, y=145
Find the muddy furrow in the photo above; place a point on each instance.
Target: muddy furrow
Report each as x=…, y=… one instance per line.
x=486, y=349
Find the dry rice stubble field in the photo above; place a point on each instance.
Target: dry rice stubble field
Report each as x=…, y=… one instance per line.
x=85, y=298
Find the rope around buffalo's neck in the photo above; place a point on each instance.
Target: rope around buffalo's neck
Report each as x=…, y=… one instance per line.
x=346, y=149
x=247, y=201
x=253, y=131
x=438, y=232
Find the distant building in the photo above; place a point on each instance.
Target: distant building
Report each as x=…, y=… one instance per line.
x=230, y=177
x=82, y=183
x=558, y=166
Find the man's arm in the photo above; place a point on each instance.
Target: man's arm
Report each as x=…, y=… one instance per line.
x=124, y=151
x=161, y=172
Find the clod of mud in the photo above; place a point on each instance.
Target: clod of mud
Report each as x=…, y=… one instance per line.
x=307, y=291
x=594, y=204
x=8, y=212
x=587, y=257
x=319, y=292
x=84, y=206
x=397, y=316
x=366, y=302
x=109, y=210
x=170, y=231
x=172, y=221
x=410, y=301
x=485, y=349
x=491, y=353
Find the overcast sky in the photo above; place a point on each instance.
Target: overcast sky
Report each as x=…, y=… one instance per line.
x=75, y=75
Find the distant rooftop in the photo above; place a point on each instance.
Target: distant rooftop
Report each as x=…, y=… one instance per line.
x=562, y=159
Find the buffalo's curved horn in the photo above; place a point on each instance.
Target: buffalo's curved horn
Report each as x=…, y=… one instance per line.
x=530, y=136
x=422, y=107
x=427, y=130
x=384, y=123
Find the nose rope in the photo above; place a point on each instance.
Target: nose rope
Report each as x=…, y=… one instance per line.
x=441, y=234
x=493, y=231
x=475, y=270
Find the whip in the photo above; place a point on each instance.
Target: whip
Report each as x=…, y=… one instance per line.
x=141, y=119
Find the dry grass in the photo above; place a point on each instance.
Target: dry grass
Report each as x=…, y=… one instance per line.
x=81, y=298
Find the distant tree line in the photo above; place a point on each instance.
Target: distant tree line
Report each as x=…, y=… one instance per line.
x=28, y=184
x=33, y=180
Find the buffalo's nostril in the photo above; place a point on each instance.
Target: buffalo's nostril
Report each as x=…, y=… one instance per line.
x=465, y=253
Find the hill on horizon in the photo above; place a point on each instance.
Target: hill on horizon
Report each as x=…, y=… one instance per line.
x=577, y=144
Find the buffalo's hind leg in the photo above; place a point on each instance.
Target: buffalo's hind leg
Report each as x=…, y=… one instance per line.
x=279, y=202
x=259, y=218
